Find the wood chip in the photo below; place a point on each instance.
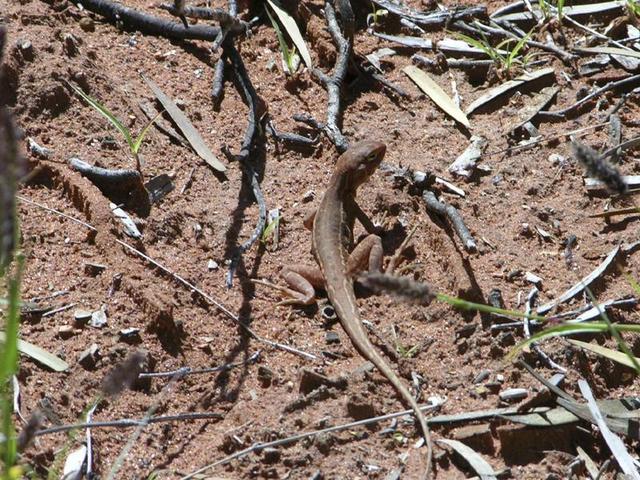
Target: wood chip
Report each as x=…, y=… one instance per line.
x=465, y=164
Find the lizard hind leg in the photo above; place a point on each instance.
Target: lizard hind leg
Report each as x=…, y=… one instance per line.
x=302, y=280
x=366, y=256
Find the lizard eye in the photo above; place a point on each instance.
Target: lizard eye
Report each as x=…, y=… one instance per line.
x=372, y=156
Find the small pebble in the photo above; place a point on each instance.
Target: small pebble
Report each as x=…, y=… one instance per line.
x=70, y=45
x=532, y=278
x=65, y=331
x=87, y=24
x=81, y=317
x=99, y=317
x=308, y=196
x=26, y=49
x=265, y=375
x=481, y=376
x=94, y=269
x=89, y=357
x=130, y=334
x=271, y=455
x=332, y=337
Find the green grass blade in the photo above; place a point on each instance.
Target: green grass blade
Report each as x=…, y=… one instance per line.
x=560, y=8
x=516, y=50
x=9, y=364
x=571, y=329
x=622, y=345
x=138, y=143
x=107, y=114
x=284, y=48
x=480, y=307
x=268, y=230
x=485, y=47
x=634, y=283
x=38, y=354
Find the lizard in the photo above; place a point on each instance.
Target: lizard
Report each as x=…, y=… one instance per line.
x=332, y=237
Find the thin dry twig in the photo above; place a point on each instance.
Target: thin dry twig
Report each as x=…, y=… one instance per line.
x=128, y=423
x=184, y=282
x=284, y=441
x=630, y=80
x=184, y=371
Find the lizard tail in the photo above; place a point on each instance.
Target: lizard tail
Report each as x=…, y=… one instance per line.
x=406, y=395
x=361, y=341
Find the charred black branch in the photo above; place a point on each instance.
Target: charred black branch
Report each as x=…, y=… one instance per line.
x=119, y=185
x=291, y=138
x=343, y=40
x=452, y=214
x=251, y=134
x=132, y=19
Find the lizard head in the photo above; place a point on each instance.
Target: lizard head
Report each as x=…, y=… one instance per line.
x=359, y=162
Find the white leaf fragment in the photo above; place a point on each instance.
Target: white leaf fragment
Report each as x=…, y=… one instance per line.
x=465, y=164
x=73, y=464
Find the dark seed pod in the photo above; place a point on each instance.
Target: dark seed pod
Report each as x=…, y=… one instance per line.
x=11, y=168
x=598, y=167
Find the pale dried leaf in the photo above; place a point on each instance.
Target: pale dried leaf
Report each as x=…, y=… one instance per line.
x=39, y=355
x=610, y=51
x=475, y=461
x=582, y=284
x=437, y=94
x=613, y=355
x=614, y=442
x=292, y=29
x=187, y=128
x=73, y=464
x=506, y=86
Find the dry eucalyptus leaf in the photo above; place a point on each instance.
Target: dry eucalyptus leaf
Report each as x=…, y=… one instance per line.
x=437, y=94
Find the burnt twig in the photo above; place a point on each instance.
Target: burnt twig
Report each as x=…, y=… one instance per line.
x=106, y=178
x=217, y=85
x=630, y=80
x=343, y=39
x=452, y=214
x=250, y=136
x=116, y=184
x=433, y=19
x=148, y=24
x=464, y=64
x=291, y=138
